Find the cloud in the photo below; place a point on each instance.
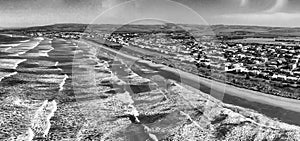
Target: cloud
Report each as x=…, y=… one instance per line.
x=158, y=10
x=214, y=11
x=243, y=3
x=111, y=3
x=268, y=19
x=279, y=4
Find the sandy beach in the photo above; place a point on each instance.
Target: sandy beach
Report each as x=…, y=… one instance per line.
x=131, y=97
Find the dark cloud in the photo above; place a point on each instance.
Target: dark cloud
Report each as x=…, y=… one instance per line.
x=54, y=4
x=236, y=6
x=85, y=10
x=82, y=3
x=293, y=6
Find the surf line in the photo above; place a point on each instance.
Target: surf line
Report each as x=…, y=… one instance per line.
x=8, y=75
x=61, y=85
x=56, y=63
x=47, y=51
x=40, y=123
x=17, y=62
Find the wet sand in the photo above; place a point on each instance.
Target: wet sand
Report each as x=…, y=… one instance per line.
x=221, y=89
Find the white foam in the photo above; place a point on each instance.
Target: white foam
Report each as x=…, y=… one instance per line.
x=51, y=48
x=12, y=35
x=9, y=35
x=4, y=75
x=28, y=136
x=40, y=38
x=10, y=63
x=9, y=45
x=61, y=85
x=7, y=49
x=43, y=53
x=149, y=71
x=24, y=41
x=46, y=52
x=189, y=117
x=29, y=48
x=40, y=123
x=2, y=49
x=147, y=130
x=56, y=63
x=24, y=47
x=133, y=111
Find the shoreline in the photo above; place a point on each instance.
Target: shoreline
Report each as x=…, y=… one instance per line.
x=223, y=88
x=254, y=96
x=251, y=84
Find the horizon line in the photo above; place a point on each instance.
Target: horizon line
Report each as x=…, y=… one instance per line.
x=51, y=24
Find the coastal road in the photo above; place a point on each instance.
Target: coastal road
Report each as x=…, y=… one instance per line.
x=285, y=109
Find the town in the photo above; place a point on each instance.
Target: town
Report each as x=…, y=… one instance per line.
x=249, y=65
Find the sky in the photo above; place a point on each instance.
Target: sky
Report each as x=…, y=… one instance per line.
x=24, y=13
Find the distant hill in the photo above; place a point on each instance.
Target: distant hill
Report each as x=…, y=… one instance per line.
x=240, y=31
x=255, y=31
x=224, y=31
x=48, y=28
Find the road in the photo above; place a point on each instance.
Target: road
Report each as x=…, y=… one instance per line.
x=282, y=108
